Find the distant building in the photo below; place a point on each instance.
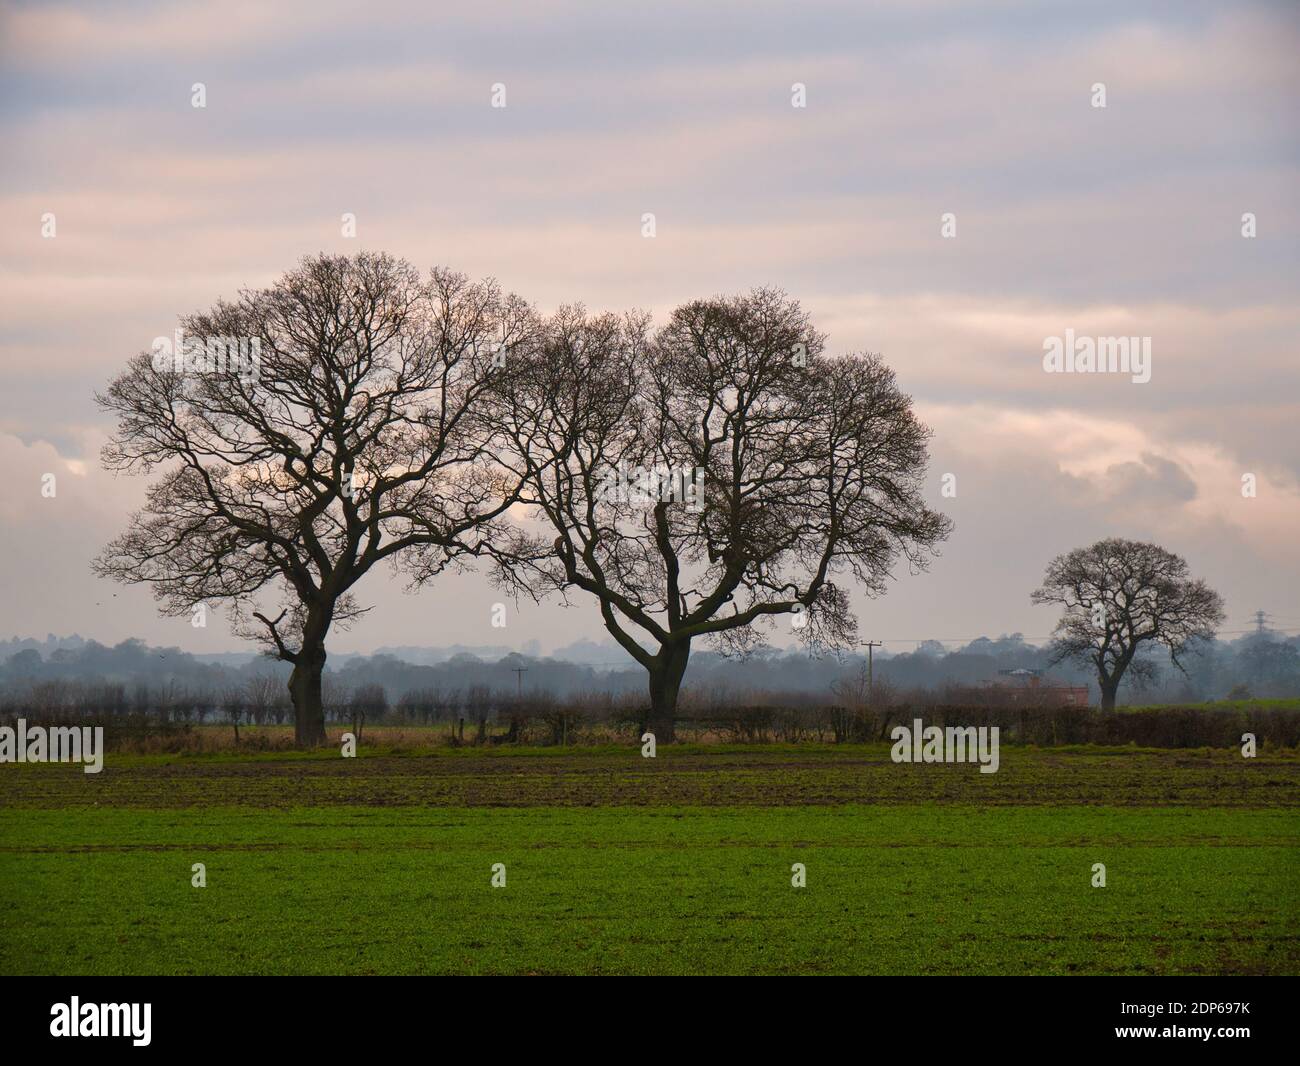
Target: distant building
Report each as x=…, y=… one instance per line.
x=1015, y=688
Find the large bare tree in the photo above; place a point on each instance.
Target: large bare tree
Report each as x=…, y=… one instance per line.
x=716, y=475
x=1119, y=595
x=356, y=441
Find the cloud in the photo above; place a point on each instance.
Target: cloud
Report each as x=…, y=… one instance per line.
x=1123, y=221
x=1149, y=481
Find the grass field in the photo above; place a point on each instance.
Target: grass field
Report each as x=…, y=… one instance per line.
x=682, y=864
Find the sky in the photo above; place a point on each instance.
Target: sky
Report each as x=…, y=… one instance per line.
x=1123, y=220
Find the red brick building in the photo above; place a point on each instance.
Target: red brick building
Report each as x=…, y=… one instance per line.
x=1028, y=688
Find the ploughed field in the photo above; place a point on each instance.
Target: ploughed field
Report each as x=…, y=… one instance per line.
x=706, y=775
x=681, y=864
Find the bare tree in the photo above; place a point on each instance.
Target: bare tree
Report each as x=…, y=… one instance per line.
x=368, y=703
x=336, y=698
x=447, y=705
x=1120, y=595
x=478, y=704
x=418, y=704
x=235, y=704
x=771, y=472
x=262, y=692
x=355, y=442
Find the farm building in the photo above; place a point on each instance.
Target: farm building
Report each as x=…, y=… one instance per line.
x=1029, y=688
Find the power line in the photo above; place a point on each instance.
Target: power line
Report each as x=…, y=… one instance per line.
x=994, y=640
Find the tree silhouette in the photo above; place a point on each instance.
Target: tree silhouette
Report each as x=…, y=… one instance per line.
x=811, y=470
x=357, y=442
x=1119, y=595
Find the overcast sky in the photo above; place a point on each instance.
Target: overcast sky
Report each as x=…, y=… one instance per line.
x=1117, y=221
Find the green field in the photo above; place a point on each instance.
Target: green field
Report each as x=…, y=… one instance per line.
x=615, y=864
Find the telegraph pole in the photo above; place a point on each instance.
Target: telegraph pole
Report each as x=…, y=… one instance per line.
x=871, y=645
x=519, y=679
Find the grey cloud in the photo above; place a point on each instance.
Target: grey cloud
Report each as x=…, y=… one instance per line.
x=1067, y=217
x=1151, y=481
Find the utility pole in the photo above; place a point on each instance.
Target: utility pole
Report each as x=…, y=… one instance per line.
x=519, y=679
x=871, y=645
x=1260, y=618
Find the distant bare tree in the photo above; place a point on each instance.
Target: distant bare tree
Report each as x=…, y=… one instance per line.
x=336, y=697
x=368, y=703
x=447, y=705
x=262, y=693
x=234, y=703
x=355, y=443
x=1120, y=595
x=478, y=704
x=1273, y=664
x=811, y=471
x=418, y=704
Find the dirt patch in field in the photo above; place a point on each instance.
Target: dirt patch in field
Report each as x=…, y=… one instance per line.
x=688, y=778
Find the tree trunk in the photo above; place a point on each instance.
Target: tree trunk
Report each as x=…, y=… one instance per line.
x=665, y=683
x=305, y=691
x=1109, y=686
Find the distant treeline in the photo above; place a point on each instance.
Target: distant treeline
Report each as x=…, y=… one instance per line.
x=170, y=685
x=474, y=717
